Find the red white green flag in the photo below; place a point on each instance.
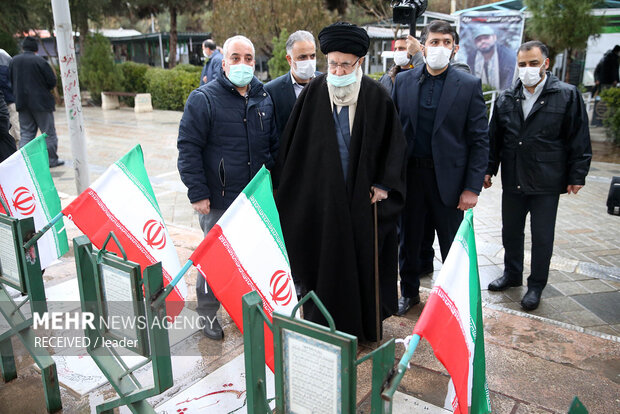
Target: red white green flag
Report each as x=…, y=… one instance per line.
x=122, y=200
x=27, y=189
x=245, y=251
x=452, y=323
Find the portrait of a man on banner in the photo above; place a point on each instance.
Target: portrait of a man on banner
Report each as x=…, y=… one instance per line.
x=489, y=43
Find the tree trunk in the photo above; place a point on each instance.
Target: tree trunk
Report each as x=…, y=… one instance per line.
x=172, y=56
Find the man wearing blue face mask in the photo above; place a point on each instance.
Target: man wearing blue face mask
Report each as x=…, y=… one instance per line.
x=284, y=90
x=539, y=134
x=227, y=133
x=444, y=120
x=342, y=151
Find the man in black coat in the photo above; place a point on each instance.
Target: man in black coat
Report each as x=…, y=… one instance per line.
x=284, y=90
x=539, y=134
x=7, y=143
x=341, y=152
x=606, y=73
x=443, y=115
x=32, y=79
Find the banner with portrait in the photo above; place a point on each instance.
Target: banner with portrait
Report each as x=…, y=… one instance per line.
x=489, y=43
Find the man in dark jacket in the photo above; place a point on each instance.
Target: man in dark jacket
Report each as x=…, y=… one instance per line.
x=539, y=134
x=213, y=65
x=32, y=79
x=7, y=90
x=227, y=133
x=606, y=72
x=443, y=115
x=284, y=90
x=7, y=143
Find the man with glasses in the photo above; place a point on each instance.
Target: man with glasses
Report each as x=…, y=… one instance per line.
x=284, y=90
x=227, y=133
x=444, y=119
x=342, y=151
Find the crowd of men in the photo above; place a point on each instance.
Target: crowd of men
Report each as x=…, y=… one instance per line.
x=366, y=172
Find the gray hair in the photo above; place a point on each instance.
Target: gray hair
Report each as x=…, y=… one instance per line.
x=298, y=36
x=234, y=39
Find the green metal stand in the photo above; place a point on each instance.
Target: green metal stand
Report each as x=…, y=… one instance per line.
x=30, y=282
x=344, y=344
x=131, y=392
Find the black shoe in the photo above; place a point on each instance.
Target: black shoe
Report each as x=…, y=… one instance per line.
x=503, y=283
x=531, y=299
x=405, y=303
x=212, y=329
x=57, y=163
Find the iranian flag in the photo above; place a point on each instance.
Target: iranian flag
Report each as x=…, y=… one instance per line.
x=27, y=189
x=245, y=251
x=122, y=201
x=452, y=323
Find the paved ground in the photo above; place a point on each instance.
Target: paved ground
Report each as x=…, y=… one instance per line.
x=536, y=362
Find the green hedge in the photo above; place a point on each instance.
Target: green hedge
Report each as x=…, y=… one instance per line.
x=186, y=67
x=134, y=80
x=169, y=89
x=97, y=68
x=611, y=98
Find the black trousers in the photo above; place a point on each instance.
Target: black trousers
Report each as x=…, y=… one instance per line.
x=208, y=304
x=30, y=122
x=423, y=201
x=543, y=210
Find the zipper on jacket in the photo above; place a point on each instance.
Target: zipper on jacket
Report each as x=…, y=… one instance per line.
x=222, y=175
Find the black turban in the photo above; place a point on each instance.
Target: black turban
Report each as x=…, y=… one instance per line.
x=30, y=44
x=344, y=37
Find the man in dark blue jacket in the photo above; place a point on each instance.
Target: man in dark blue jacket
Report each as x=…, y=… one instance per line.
x=284, y=90
x=32, y=79
x=7, y=90
x=213, y=65
x=227, y=133
x=443, y=115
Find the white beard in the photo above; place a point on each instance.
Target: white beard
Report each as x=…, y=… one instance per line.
x=346, y=95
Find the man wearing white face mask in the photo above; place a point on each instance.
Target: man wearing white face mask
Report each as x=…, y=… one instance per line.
x=443, y=115
x=227, y=132
x=213, y=62
x=406, y=56
x=539, y=134
x=284, y=90
x=342, y=151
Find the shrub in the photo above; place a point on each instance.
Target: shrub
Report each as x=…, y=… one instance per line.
x=97, y=69
x=186, y=67
x=376, y=75
x=169, y=88
x=611, y=98
x=278, y=65
x=134, y=79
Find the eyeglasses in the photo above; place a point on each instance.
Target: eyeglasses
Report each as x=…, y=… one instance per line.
x=345, y=66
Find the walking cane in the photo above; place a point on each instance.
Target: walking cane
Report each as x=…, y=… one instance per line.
x=377, y=307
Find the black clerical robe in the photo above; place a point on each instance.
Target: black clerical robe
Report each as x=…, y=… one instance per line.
x=327, y=220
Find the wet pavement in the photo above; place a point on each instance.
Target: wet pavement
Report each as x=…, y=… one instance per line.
x=536, y=362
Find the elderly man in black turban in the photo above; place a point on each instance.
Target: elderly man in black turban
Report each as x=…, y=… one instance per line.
x=342, y=151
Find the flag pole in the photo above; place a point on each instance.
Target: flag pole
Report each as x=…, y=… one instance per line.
x=164, y=293
x=377, y=306
x=401, y=369
x=41, y=232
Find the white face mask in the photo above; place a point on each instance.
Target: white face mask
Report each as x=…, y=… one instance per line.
x=438, y=57
x=530, y=76
x=401, y=58
x=204, y=53
x=305, y=68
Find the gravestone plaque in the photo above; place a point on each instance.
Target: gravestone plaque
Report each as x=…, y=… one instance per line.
x=312, y=374
x=9, y=264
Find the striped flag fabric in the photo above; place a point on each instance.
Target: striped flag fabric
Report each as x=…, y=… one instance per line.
x=245, y=251
x=27, y=189
x=122, y=200
x=452, y=323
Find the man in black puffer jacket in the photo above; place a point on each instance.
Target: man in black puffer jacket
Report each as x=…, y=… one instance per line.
x=539, y=134
x=227, y=133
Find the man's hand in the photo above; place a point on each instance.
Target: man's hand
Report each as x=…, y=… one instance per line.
x=573, y=189
x=202, y=206
x=468, y=200
x=377, y=194
x=487, y=181
x=413, y=45
x=204, y=79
